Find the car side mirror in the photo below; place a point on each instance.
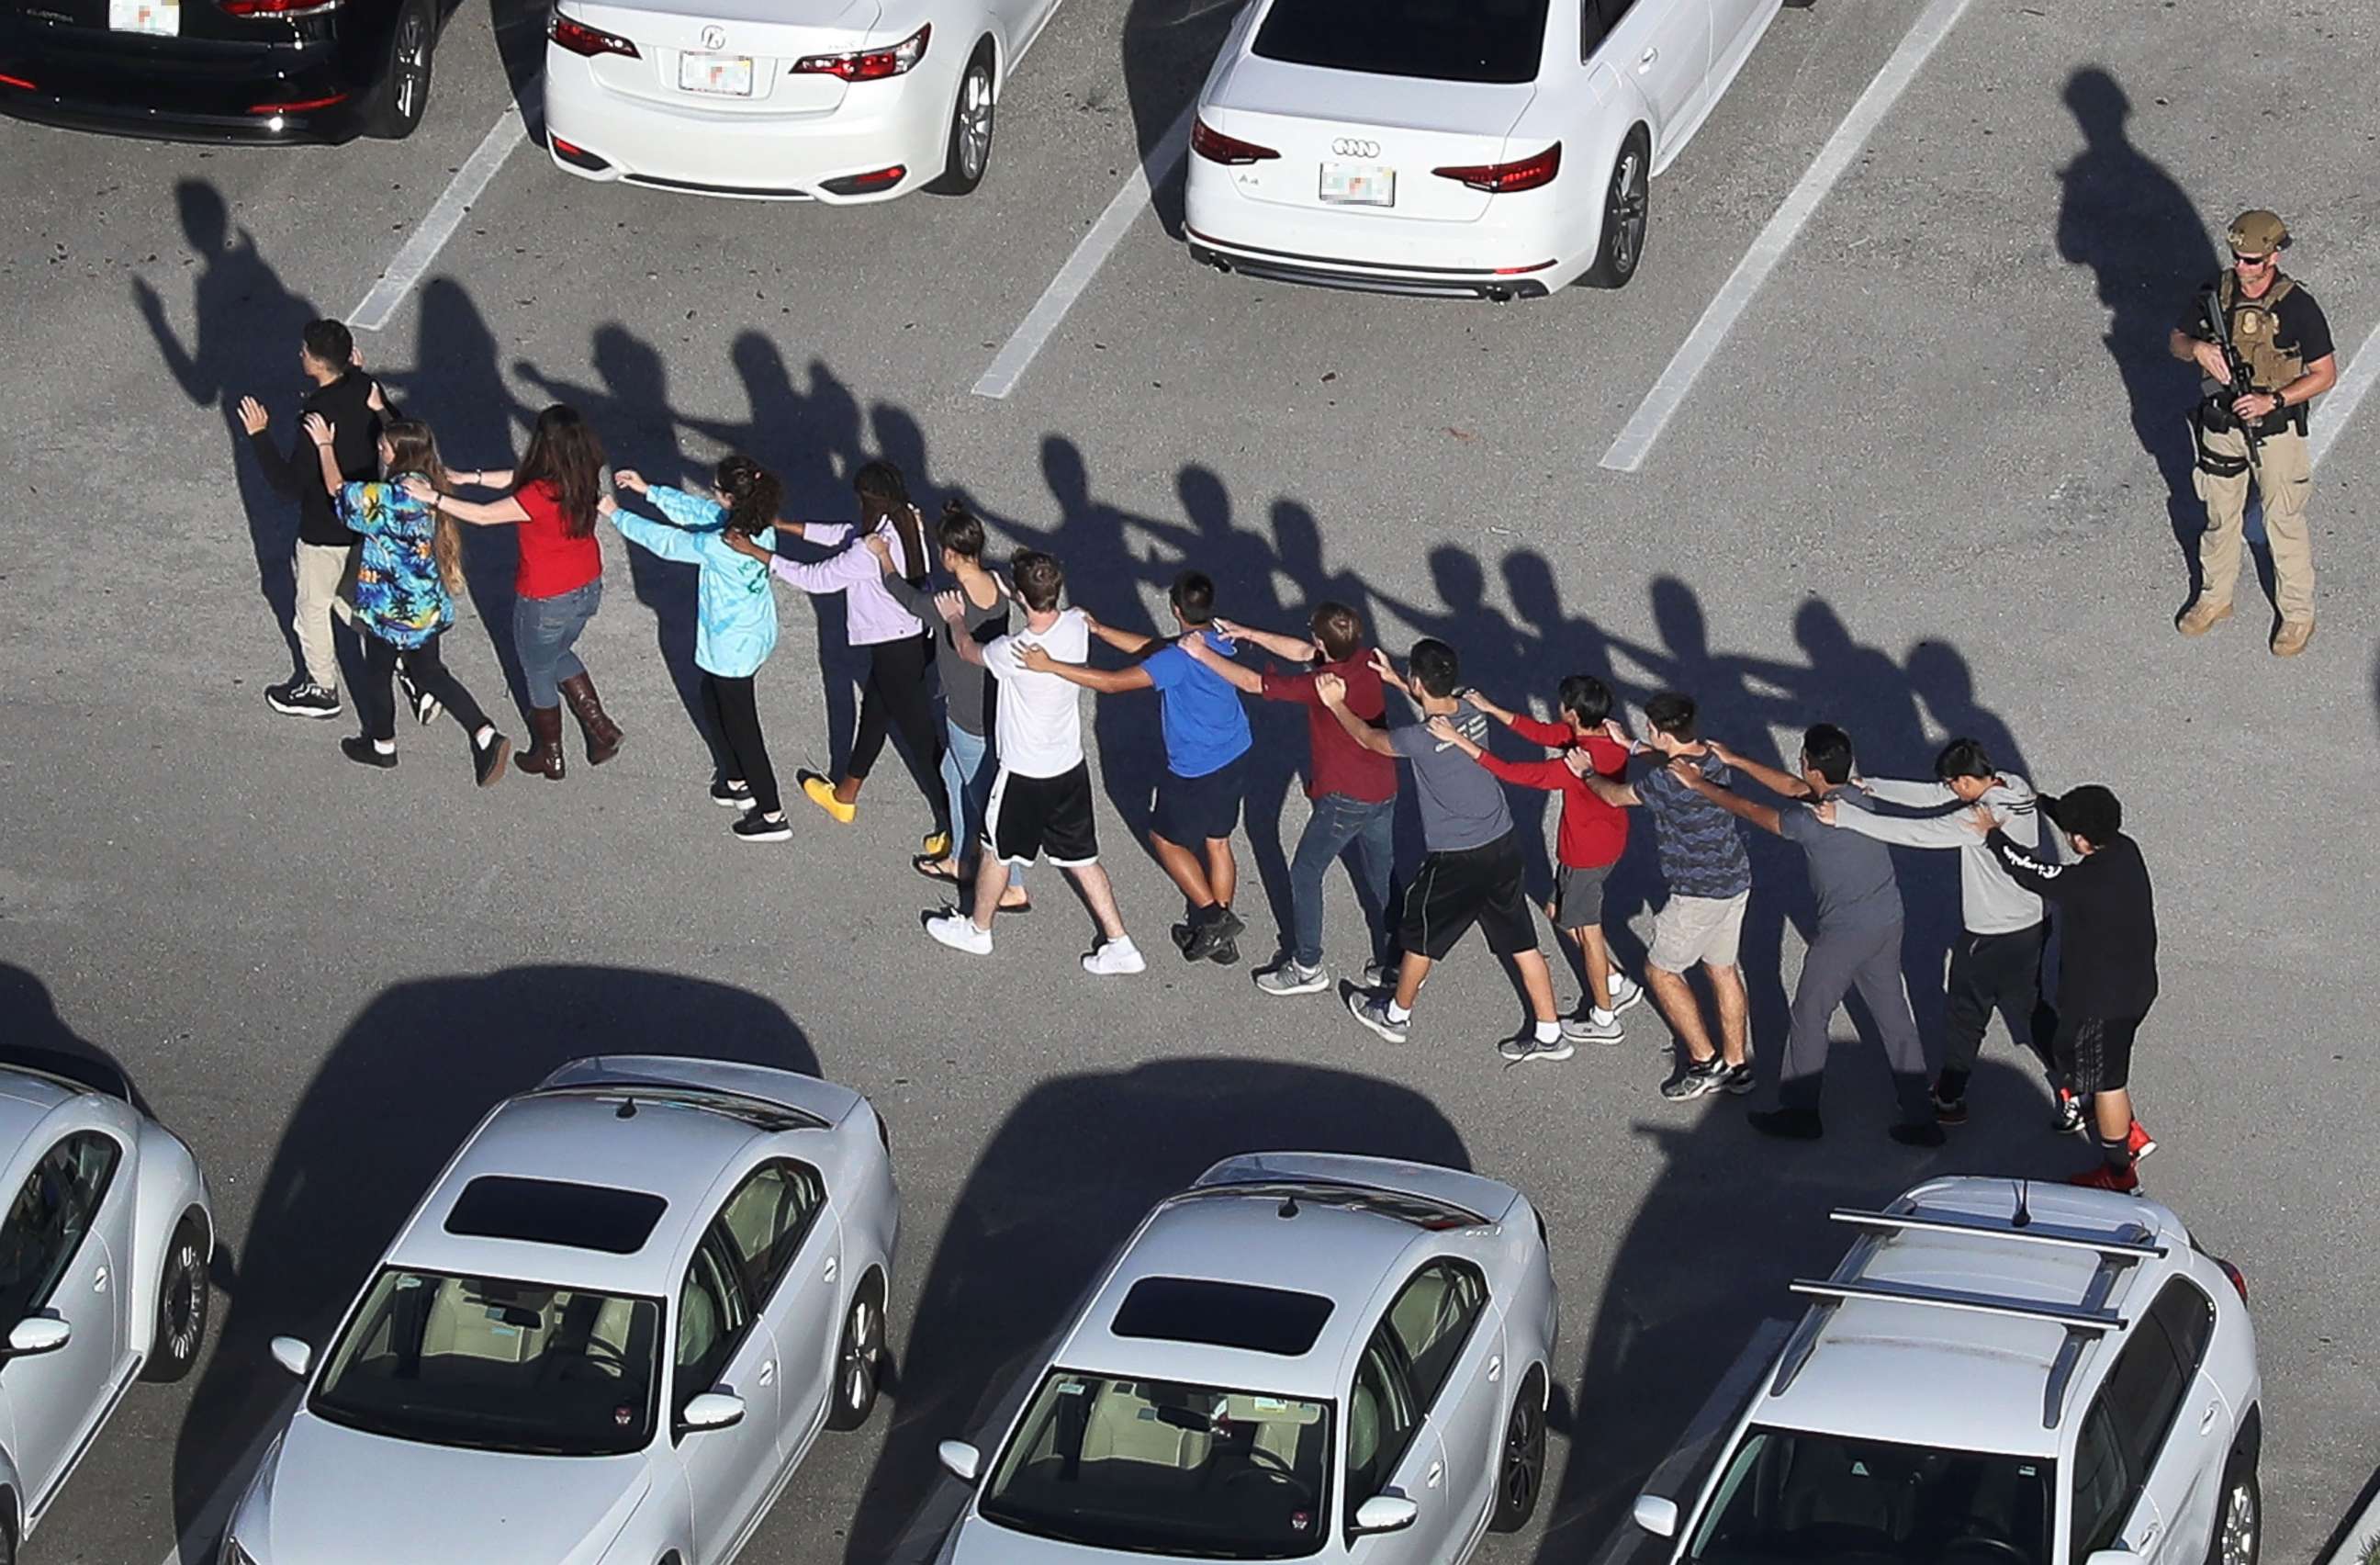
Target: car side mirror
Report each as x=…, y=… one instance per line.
x=294, y=1355
x=1385, y=1513
x=712, y=1410
x=2113, y=1557
x=38, y=1334
x=960, y=1460
x=1656, y=1514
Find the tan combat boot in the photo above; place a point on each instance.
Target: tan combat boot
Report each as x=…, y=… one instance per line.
x=2202, y=616
x=2292, y=637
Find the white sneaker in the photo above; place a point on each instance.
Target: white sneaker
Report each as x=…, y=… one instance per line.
x=959, y=932
x=1625, y=992
x=1113, y=959
x=1594, y=1027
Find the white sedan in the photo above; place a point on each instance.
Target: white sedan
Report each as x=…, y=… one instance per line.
x=1483, y=149
x=1302, y=1355
x=837, y=100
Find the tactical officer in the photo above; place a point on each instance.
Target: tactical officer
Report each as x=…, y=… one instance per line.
x=2258, y=430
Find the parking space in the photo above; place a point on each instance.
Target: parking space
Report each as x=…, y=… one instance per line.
x=1924, y=488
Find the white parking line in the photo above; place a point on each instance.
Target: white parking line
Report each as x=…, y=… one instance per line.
x=2339, y=406
x=1017, y=354
x=1635, y=442
x=421, y=247
x=198, y=1546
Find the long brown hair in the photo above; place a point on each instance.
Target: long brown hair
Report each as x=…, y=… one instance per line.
x=753, y=495
x=411, y=449
x=884, y=492
x=564, y=452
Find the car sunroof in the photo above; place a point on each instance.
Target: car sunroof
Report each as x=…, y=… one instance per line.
x=616, y=1222
x=1222, y=1315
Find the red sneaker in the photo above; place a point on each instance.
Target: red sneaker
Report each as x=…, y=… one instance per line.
x=2140, y=1143
x=2121, y=1181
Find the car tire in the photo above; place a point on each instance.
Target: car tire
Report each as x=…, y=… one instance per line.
x=182, y=1305
x=1521, y=1459
x=1619, y=242
x=405, y=79
x=967, y=152
x=859, y=1357
x=2240, y=1524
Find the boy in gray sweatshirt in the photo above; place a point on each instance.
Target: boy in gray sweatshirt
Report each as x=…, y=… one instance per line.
x=1996, y=963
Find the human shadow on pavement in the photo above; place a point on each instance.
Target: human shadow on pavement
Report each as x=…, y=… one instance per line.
x=245, y=345
x=37, y=1038
x=1057, y=1187
x=1727, y=1225
x=392, y=1101
x=2122, y=215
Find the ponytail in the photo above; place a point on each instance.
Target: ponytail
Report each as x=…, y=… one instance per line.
x=754, y=495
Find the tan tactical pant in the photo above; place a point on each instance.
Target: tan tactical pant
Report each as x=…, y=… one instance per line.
x=326, y=585
x=2284, y=476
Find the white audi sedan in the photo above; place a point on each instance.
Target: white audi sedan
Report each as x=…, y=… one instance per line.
x=1483, y=149
x=607, y=1336
x=1303, y=1355
x=787, y=99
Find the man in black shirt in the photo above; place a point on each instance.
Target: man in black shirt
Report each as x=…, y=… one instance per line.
x=342, y=394
x=2108, y=979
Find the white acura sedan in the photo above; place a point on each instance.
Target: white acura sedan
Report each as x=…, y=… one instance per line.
x=1303, y=1355
x=787, y=99
x=1483, y=149
x=607, y=1336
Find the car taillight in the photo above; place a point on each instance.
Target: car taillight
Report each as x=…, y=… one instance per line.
x=279, y=8
x=1216, y=147
x=588, y=42
x=18, y=81
x=1503, y=178
x=2239, y=1278
x=303, y=106
x=869, y=65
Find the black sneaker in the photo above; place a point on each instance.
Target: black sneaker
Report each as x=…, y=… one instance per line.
x=754, y=826
x=2069, y=1113
x=488, y=760
x=1787, y=1124
x=302, y=698
x=362, y=752
x=732, y=796
x=1918, y=1134
x=1200, y=939
x=1226, y=953
x=1695, y=1080
x=1738, y=1080
x=425, y=706
x=1949, y=1110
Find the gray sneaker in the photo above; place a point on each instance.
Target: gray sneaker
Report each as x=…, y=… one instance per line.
x=1372, y=1011
x=1710, y=1076
x=1625, y=992
x=1588, y=1029
x=1288, y=978
x=1529, y=1046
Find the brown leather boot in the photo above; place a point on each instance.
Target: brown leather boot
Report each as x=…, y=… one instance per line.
x=543, y=757
x=602, y=735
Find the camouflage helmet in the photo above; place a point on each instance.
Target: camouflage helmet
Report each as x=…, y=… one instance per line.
x=2258, y=233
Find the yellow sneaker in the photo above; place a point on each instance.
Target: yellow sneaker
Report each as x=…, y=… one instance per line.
x=936, y=846
x=2292, y=637
x=821, y=792
x=2202, y=616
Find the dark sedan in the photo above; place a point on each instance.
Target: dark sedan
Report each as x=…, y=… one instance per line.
x=220, y=70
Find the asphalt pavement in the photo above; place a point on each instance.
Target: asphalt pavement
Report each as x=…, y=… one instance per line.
x=1926, y=485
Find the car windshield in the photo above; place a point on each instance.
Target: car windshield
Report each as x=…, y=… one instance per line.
x=1793, y=1496
x=496, y=1365
x=1496, y=40
x=1161, y=1468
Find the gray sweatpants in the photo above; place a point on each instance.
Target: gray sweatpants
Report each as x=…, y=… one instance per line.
x=1840, y=962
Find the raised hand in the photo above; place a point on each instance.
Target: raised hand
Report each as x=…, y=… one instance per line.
x=252, y=416
x=950, y=606
x=880, y=546
x=419, y=488
x=1683, y=768
x=1332, y=689
x=1980, y=820
x=630, y=480
x=746, y=544
x=1442, y=729
x=1386, y=670
x=374, y=400
x=1036, y=657
x=320, y=430
x=1824, y=811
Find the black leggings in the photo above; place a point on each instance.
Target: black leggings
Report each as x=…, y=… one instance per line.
x=736, y=743
x=896, y=695
x=377, y=702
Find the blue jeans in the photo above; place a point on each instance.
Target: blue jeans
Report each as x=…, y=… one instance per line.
x=1336, y=822
x=543, y=631
x=966, y=778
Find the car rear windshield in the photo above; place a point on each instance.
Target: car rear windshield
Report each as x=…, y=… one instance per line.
x=616, y=1222
x=1222, y=1314
x=1157, y=1467
x=494, y=1364
x=1438, y=40
x=1789, y=1495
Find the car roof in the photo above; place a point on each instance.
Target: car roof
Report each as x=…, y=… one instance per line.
x=27, y=1099
x=673, y=1151
x=1959, y=1378
x=1339, y=1253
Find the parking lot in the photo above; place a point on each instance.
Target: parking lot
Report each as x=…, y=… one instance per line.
x=1924, y=487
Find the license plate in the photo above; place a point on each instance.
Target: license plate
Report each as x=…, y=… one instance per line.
x=162, y=18
x=1359, y=184
x=728, y=76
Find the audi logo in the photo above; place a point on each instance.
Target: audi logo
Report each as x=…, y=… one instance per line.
x=714, y=38
x=1351, y=146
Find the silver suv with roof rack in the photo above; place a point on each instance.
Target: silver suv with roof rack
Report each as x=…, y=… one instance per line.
x=1998, y=1374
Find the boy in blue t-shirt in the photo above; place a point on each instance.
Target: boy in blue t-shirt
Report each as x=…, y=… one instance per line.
x=1206, y=761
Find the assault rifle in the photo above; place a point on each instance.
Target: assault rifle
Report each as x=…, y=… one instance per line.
x=2218, y=332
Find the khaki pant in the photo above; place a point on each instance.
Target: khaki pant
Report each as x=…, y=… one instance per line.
x=326, y=577
x=2284, y=477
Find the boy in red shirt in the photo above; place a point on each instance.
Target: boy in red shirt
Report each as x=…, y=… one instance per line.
x=1592, y=836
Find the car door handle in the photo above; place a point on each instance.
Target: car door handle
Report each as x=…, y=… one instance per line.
x=768, y=1372
x=99, y=1281
x=1495, y=1369
x=1644, y=60
x=2206, y=1420
x=2149, y=1536
x=828, y=1273
x=1437, y=1472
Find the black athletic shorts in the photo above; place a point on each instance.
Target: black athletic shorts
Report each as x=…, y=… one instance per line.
x=2094, y=1053
x=1191, y=810
x=1034, y=816
x=1452, y=891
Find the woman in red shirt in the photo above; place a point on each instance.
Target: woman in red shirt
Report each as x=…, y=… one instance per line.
x=559, y=582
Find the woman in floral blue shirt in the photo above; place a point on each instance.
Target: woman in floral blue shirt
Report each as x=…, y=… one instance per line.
x=410, y=567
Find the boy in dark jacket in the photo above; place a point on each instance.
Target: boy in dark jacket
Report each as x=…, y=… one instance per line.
x=2109, y=915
